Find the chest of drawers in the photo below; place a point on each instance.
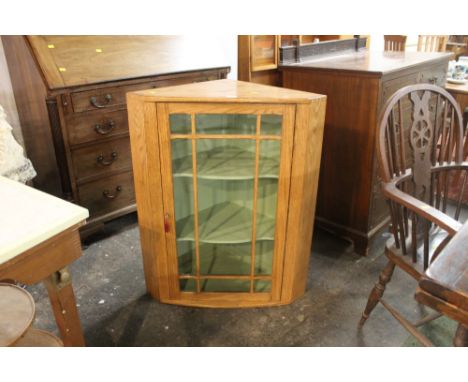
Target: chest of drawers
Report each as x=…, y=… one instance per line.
x=71, y=98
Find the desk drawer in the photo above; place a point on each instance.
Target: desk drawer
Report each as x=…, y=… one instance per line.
x=109, y=194
x=112, y=97
x=102, y=158
x=96, y=126
x=105, y=98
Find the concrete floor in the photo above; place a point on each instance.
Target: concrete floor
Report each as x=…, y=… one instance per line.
x=116, y=311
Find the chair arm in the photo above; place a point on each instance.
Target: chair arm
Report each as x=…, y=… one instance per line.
x=423, y=209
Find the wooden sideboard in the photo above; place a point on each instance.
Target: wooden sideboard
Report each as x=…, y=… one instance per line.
x=70, y=92
x=357, y=84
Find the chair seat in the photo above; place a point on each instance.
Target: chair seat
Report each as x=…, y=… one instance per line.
x=405, y=261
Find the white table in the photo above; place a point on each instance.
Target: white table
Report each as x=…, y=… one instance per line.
x=39, y=237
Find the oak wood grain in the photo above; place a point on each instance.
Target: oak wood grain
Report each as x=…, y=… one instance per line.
x=302, y=198
x=229, y=91
x=302, y=129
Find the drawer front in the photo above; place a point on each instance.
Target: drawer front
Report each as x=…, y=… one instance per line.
x=105, y=98
x=112, y=97
x=106, y=195
x=435, y=75
x=96, y=126
x=102, y=158
x=391, y=86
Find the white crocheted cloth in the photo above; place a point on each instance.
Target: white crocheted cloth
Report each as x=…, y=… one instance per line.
x=13, y=163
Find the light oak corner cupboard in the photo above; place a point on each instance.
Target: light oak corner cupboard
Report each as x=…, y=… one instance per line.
x=226, y=177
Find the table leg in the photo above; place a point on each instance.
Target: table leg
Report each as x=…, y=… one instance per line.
x=461, y=336
x=63, y=303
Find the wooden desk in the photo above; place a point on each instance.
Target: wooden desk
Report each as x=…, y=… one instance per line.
x=357, y=84
x=70, y=92
x=445, y=285
x=38, y=238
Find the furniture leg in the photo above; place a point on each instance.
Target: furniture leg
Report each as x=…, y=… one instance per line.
x=361, y=245
x=461, y=336
x=378, y=291
x=63, y=303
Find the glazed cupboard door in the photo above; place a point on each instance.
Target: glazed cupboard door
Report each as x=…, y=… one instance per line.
x=225, y=174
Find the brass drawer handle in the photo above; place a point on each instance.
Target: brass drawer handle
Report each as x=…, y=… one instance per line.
x=100, y=159
x=94, y=102
x=105, y=128
x=108, y=195
x=433, y=80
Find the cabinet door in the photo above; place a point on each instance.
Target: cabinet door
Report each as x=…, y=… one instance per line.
x=263, y=52
x=225, y=174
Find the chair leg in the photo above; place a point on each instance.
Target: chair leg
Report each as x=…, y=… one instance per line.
x=378, y=291
x=461, y=336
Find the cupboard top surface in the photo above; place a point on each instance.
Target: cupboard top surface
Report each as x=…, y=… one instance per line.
x=227, y=91
x=67, y=61
x=370, y=62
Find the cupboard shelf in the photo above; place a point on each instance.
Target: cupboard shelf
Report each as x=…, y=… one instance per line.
x=228, y=162
x=226, y=223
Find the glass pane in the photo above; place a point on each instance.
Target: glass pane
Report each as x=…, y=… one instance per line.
x=264, y=257
x=225, y=183
x=225, y=211
x=180, y=123
x=188, y=285
x=186, y=257
x=271, y=124
x=225, y=259
x=262, y=286
x=183, y=204
x=269, y=159
x=226, y=158
x=226, y=123
x=263, y=50
x=215, y=285
x=226, y=171
x=182, y=158
x=267, y=198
